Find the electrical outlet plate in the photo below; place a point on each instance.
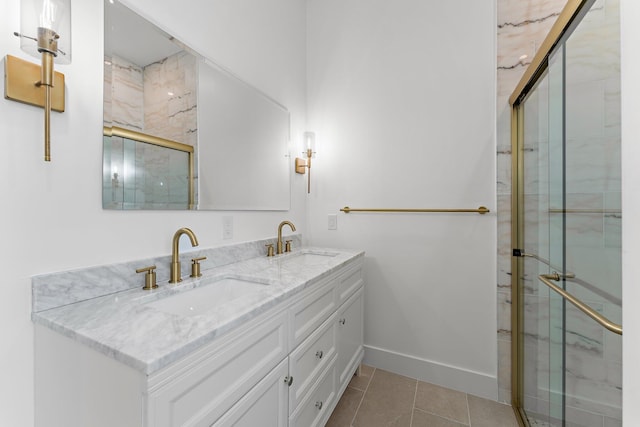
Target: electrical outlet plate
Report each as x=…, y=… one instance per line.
x=333, y=222
x=227, y=227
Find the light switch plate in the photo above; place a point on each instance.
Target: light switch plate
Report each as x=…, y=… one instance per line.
x=227, y=227
x=333, y=222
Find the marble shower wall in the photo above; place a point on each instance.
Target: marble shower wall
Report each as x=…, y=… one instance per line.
x=124, y=94
x=170, y=102
x=522, y=27
x=159, y=99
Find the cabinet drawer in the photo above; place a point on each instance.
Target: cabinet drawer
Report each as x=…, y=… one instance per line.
x=199, y=394
x=310, y=312
x=265, y=405
x=310, y=359
x=349, y=282
x=316, y=407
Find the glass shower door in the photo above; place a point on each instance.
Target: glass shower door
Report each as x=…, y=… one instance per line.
x=542, y=321
x=592, y=216
x=570, y=211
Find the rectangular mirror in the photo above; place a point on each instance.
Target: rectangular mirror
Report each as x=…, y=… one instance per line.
x=181, y=132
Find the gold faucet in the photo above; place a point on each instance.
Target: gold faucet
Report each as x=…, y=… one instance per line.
x=283, y=223
x=176, y=274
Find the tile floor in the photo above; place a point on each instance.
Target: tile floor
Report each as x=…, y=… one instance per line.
x=378, y=398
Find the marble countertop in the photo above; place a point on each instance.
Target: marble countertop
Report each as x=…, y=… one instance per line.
x=125, y=327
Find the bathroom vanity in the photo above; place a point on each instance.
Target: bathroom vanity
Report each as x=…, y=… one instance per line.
x=258, y=342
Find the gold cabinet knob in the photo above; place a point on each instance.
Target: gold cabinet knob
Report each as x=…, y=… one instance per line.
x=195, y=266
x=149, y=278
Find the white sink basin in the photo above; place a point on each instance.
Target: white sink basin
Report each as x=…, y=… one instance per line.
x=309, y=258
x=218, y=294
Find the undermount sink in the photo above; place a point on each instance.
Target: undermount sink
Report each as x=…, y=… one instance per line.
x=221, y=293
x=309, y=258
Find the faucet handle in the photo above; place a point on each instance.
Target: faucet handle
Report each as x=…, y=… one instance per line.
x=287, y=246
x=270, y=251
x=149, y=278
x=195, y=266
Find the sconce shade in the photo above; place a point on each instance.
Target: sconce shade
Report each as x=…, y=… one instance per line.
x=45, y=26
x=310, y=141
x=304, y=165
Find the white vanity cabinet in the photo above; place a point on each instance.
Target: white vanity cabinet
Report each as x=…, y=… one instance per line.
x=287, y=366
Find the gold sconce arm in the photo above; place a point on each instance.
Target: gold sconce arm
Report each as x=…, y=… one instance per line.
x=46, y=80
x=35, y=85
x=45, y=33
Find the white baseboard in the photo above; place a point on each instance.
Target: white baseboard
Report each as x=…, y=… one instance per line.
x=452, y=377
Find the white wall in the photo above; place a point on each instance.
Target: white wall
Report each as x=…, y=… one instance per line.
x=52, y=217
x=401, y=96
x=630, y=70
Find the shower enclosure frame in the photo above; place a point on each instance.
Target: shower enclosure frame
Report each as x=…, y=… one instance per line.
x=566, y=21
x=140, y=137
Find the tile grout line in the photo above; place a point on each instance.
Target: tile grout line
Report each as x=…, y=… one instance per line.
x=466, y=398
x=413, y=406
x=363, y=394
x=441, y=417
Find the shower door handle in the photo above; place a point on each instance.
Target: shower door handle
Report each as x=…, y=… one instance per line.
x=522, y=254
x=603, y=321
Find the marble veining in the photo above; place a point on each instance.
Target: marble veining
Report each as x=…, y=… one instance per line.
x=127, y=103
x=121, y=325
x=529, y=21
x=170, y=98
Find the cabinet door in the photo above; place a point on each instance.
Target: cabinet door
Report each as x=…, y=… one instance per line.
x=197, y=393
x=265, y=405
x=350, y=337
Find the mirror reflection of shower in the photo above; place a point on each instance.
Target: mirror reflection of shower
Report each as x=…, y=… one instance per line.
x=115, y=184
x=144, y=172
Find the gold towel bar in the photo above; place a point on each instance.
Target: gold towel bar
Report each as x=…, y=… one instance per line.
x=481, y=210
x=603, y=321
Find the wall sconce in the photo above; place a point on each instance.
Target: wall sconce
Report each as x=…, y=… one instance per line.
x=301, y=164
x=45, y=32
